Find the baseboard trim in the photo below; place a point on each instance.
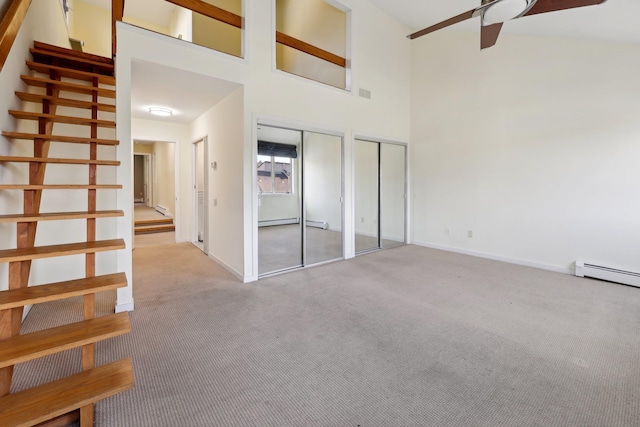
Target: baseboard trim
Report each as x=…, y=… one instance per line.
x=128, y=306
x=516, y=261
x=227, y=267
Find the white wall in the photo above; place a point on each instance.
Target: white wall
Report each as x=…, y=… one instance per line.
x=280, y=206
x=320, y=24
x=224, y=126
x=45, y=22
x=91, y=24
x=532, y=145
x=365, y=191
x=173, y=137
x=165, y=184
x=392, y=192
x=181, y=24
x=323, y=179
x=274, y=96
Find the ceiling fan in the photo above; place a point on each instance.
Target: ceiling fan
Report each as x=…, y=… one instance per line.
x=493, y=13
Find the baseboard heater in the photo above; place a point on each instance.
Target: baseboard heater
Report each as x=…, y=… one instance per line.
x=318, y=224
x=609, y=274
x=163, y=210
x=285, y=221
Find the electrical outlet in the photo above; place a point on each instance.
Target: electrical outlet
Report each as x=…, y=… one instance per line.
x=470, y=233
x=362, y=220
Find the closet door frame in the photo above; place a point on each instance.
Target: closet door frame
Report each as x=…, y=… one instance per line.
x=379, y=143
x=265, y=121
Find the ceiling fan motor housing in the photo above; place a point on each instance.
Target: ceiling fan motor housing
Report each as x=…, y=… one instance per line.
x=504, y=10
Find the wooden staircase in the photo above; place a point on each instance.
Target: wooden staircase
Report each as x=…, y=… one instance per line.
x=85, y=85
x=160, y=225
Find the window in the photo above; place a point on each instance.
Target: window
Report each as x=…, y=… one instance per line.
x=311, y=41
x=275, y=175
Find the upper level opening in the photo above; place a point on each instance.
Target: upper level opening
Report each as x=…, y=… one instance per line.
x=311, y=41
x=215, y=24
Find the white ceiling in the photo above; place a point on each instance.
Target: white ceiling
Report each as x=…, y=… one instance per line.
x=187, y=94
x=614, y=20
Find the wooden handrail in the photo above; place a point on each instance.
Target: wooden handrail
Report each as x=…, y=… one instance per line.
x=237, y=21
x=211, y=11
x=10, y=25
x=310, y=49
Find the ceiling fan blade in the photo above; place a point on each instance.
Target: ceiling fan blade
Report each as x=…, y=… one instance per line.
x=450, y=21
x=544, y=6
x=489, y=35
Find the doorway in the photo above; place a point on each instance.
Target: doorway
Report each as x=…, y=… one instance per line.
x=141, y=181
x=299, y=183
x=154, y=164
x=379, y=195
x=200, y=234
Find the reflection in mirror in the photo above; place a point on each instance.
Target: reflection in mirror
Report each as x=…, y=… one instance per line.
x=392, y=195
x=279, y=199
x=365, y=166
x=322, y=197
x=191, y=24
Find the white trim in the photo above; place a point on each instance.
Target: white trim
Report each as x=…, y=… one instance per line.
x=516, y=261
x=127, y=306
x=181, y=43
x=348, y=89
x=194, y=190
x=227, y=267
x=265, y=120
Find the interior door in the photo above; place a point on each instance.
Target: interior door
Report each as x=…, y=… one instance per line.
x=200, y=208
x=392, y=194
x=379, y=195
x=366, y=195
x=322, y=178
x=279, y=188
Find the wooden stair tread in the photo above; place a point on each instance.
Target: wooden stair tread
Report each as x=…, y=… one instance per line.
x=54, y=291
x=65, y=102
x=17, y=159
x=38, y=252
x=38, y=404
x=55, y=216
x=158, y=221
x=59, y=138
x=72, y=59
x=27, y=115
x=66, y=86
x=22, y=348
x=155, y=229
x=60, y=187
x=53, y=49
x=71, y=73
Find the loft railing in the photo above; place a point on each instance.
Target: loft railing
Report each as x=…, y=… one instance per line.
x=237, y=21
x=10, y=25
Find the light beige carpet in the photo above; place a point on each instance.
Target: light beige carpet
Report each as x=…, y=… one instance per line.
x=403, y=337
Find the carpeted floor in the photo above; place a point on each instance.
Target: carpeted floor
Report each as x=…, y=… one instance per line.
x=404, y=337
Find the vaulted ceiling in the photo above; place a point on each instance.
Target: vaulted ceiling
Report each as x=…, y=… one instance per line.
x=614, y=20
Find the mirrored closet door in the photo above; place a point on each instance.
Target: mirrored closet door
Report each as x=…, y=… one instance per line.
x=379, y=195
x=299, y=179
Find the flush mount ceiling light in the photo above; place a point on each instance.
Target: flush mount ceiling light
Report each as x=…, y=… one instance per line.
x=160, y=111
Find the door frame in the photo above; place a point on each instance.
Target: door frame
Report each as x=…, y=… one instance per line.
x=259, y=120
x=194, y=206
x=380, y=141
